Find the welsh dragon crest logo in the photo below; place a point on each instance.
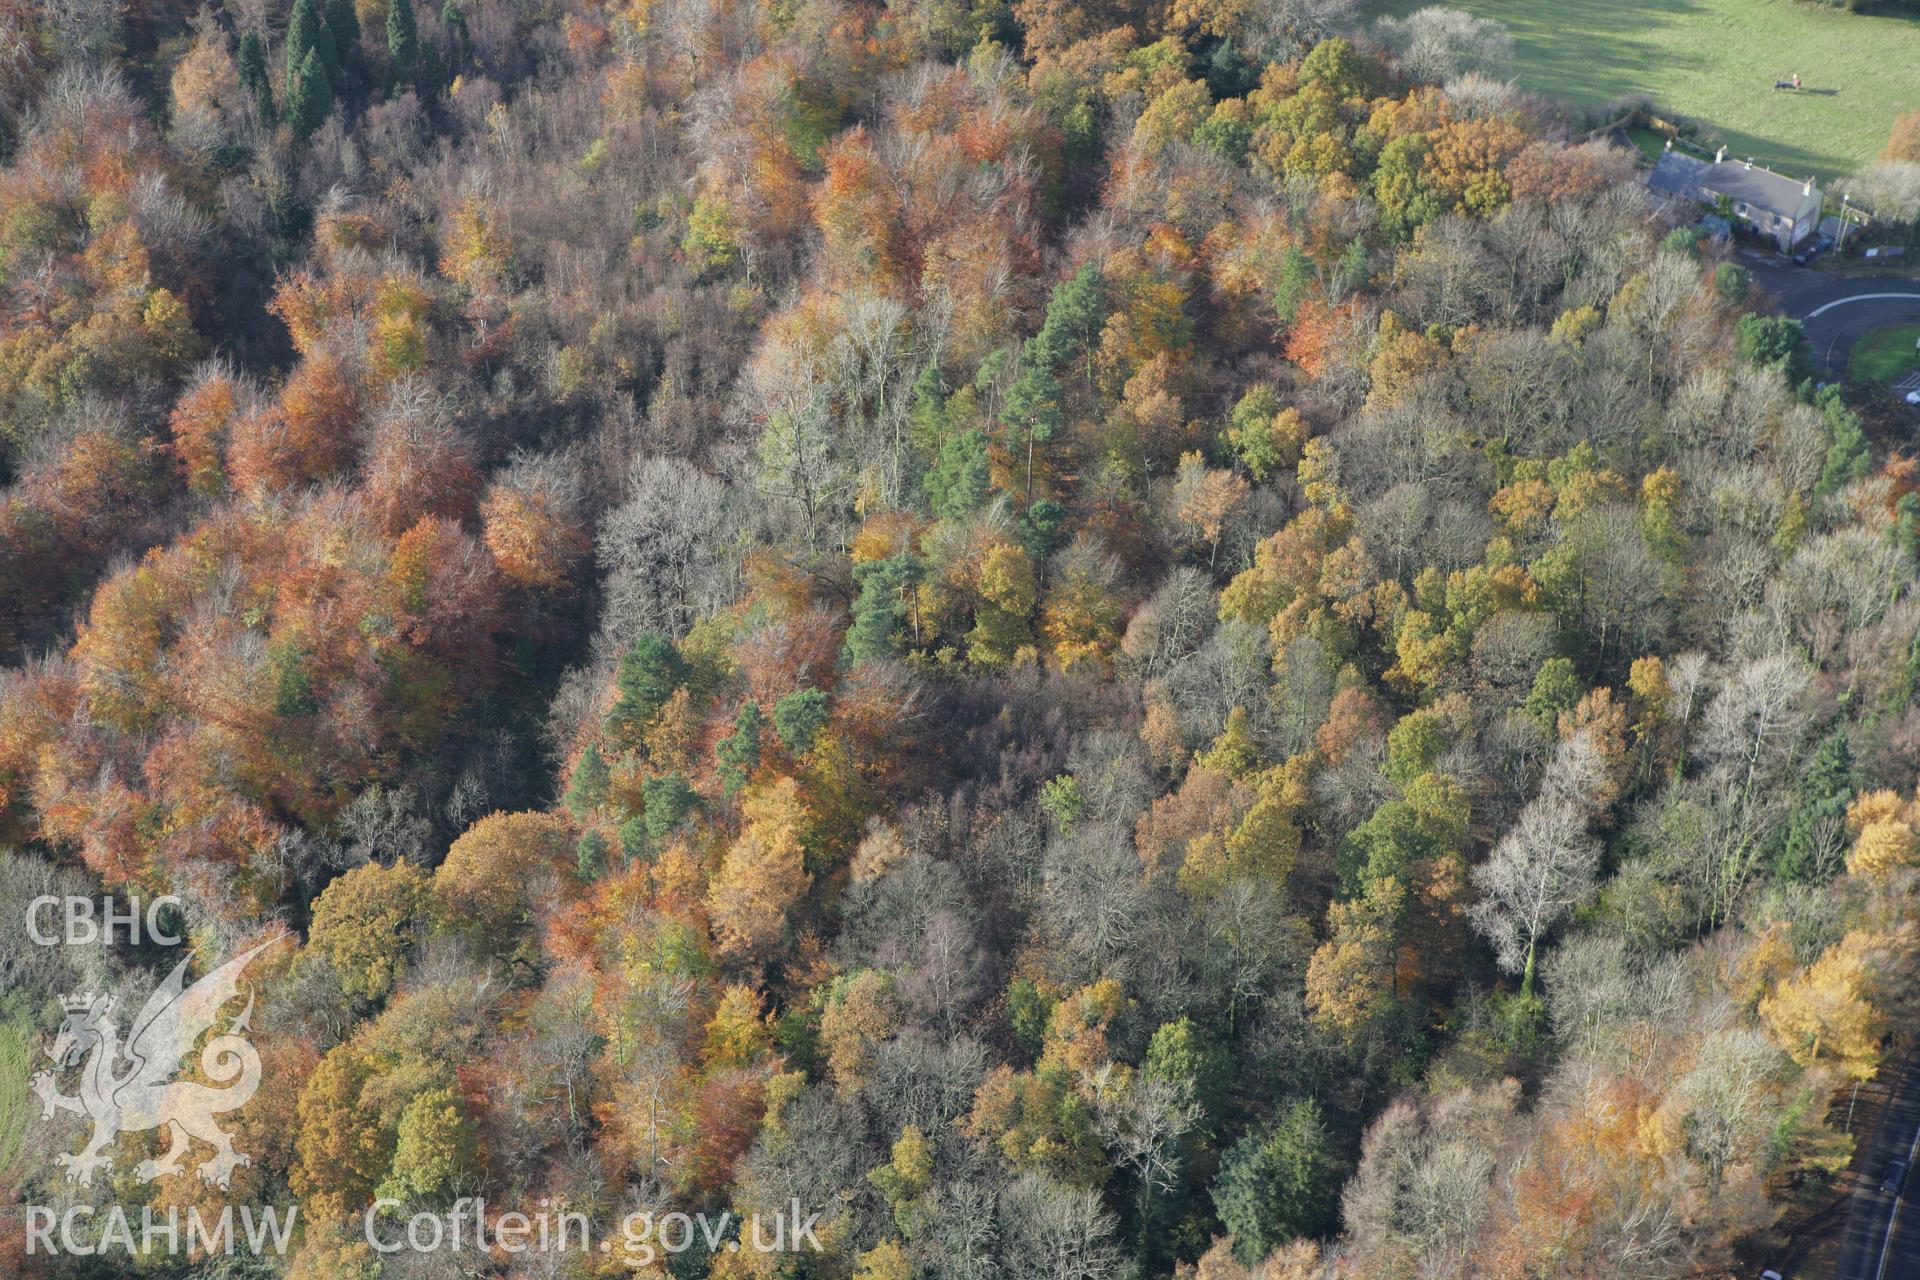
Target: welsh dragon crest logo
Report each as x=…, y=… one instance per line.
x=129, y=1088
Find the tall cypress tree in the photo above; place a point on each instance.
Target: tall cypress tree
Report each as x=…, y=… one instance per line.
x=328, y=51
x=344, y=23
x=430, y=76
x=253, y=76
x=309, y=96
x=588, y=789
x=455, y=22
x=1296, y=272
x=306, y=33
x=403, y=41
x=1827, y=784
x=303, y=31
x=1273, y=1188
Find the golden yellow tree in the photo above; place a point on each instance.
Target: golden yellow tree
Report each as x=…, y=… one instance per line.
x=1204, y=501
x=1350, y=977
x=1008, y=588
x=1883, y=831
x=502, y=874
x=763, y=875
x=885, y=1261
x=737, y=1033
x=342, y=1149
x=365, y=923
x=1824, y=1012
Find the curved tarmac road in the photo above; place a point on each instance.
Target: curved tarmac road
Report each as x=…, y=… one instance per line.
x=1836, y=312
x=1883, y=1239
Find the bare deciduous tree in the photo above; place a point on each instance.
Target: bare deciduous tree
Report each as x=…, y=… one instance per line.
x=1436, y=44
x=1544, y=867
x=667, y=550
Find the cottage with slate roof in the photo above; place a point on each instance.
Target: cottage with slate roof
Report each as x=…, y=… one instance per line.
x=1775, y=205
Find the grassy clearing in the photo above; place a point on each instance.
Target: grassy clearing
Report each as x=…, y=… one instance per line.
x=1715, y=61
x=15, y=1068
x=1885, y=355
x=1651, y=143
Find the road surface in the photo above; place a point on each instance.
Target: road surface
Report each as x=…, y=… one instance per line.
x=1836, y=312
x=1883, y=1230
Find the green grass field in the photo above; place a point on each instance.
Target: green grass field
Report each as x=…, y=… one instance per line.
x=1885, y=355
x=1715, y=61
x=15, y=1068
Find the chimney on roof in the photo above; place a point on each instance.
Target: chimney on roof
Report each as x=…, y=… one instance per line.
x=1749, y=162
x=1720, y=155
x=1669, y=145
x=1806, y=188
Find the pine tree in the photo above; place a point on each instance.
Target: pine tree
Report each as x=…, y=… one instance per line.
x=590, y=857
x=588, y=789
x=880, y=607
x=650, y=672
x=1040, y=526
x=403, y=41
x=667, y=800
x=739, y=753
x=1033, y=406
x=633, y=839
x=797, y=719
x=957, y=484
x=1274, y=1188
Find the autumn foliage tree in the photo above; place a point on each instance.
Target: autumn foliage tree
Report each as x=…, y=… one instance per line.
x=1191, y=619
x=762, y=876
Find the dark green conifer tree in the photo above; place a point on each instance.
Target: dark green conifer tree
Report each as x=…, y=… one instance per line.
x=252, y=63
x=403, y=41
x=309, y=96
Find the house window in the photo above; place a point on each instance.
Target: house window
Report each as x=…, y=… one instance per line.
x=1741, y=209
